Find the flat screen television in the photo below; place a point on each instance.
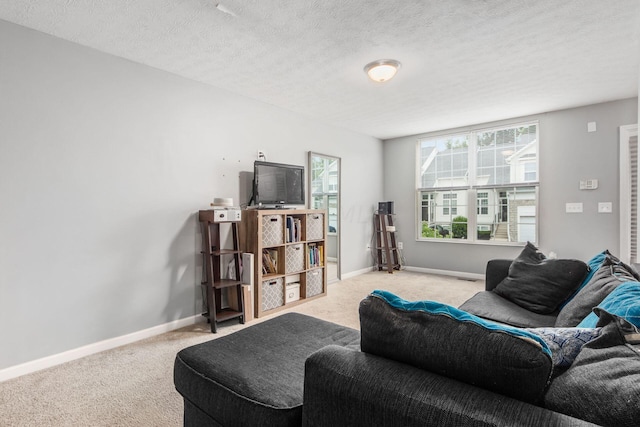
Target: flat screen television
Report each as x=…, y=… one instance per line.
x=278, y=184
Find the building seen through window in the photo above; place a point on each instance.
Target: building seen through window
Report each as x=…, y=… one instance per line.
x=483, y=181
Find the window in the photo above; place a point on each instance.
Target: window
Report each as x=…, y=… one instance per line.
x=484, y=180
x=483, y=203
x=530, y=171
x=449, y=201
x=428, y=206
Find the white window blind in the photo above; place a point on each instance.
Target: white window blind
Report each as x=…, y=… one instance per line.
x=633, y=220
x=629, y=187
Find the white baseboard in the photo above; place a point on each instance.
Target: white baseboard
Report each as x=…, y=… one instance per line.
x=458, y=274
x=356, y=273
x=77, y=353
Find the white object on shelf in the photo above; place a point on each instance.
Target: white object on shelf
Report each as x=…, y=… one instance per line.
x=222, y=201
x=293, y=292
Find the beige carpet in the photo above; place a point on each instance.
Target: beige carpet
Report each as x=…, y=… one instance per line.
x=133, y=385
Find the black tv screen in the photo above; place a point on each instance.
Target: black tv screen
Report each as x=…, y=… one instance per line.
x=278, y=184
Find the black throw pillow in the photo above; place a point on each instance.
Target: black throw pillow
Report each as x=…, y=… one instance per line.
x=540, y=284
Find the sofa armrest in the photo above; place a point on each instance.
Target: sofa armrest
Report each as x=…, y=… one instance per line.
x=347, y=387
x=497, y=270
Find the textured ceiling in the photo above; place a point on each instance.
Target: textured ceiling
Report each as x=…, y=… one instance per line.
x=463, y=61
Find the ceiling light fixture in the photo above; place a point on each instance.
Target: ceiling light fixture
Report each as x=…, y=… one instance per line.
x=382, y=70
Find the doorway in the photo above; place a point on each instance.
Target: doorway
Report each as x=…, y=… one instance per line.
x=324, y=192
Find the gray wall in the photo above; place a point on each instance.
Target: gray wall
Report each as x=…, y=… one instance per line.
x=568, y=154
x=103, y=165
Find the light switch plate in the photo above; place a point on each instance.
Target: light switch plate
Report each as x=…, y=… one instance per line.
x=605, y=207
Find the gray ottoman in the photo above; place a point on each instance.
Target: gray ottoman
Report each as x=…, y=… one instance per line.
x=254, y=377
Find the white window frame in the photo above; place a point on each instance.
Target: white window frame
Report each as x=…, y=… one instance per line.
x=473, y=204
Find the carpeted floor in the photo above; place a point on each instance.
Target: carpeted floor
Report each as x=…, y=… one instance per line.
x=133, y=385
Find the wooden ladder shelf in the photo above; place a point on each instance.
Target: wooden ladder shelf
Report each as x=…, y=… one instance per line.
x=386, y=246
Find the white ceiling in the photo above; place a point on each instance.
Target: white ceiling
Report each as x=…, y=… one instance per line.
x=463, y=61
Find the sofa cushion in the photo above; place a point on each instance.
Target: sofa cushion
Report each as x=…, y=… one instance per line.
x=624, y=302
x=603, y=383
x=489, y=305
x=540, y=284
x=456, y=344
x=612, y=274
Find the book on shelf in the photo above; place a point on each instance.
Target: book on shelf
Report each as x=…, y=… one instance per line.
x=294, y=226
x=269, y=261
x=315, y=255
x=289, y=224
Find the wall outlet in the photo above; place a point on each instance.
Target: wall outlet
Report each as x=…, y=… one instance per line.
x=573, y=207
x=400, y=245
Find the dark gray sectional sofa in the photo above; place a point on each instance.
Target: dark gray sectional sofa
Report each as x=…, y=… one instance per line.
x=427, y=364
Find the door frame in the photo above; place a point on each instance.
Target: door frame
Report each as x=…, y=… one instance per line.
x=312, y=154
x=626, y=133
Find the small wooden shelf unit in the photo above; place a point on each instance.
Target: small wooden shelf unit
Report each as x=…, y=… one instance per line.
x=288, y=246
x=213, y=258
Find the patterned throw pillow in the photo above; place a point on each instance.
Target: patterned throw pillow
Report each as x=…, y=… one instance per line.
x=453, y=343
x=565, y=343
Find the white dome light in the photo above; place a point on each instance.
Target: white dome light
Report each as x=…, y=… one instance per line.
x=382, y=69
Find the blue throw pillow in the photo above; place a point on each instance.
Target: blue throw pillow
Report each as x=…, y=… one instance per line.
x=453, y=343
x=624, y=302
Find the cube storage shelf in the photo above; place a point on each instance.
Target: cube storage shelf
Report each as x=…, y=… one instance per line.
x=289, y=256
